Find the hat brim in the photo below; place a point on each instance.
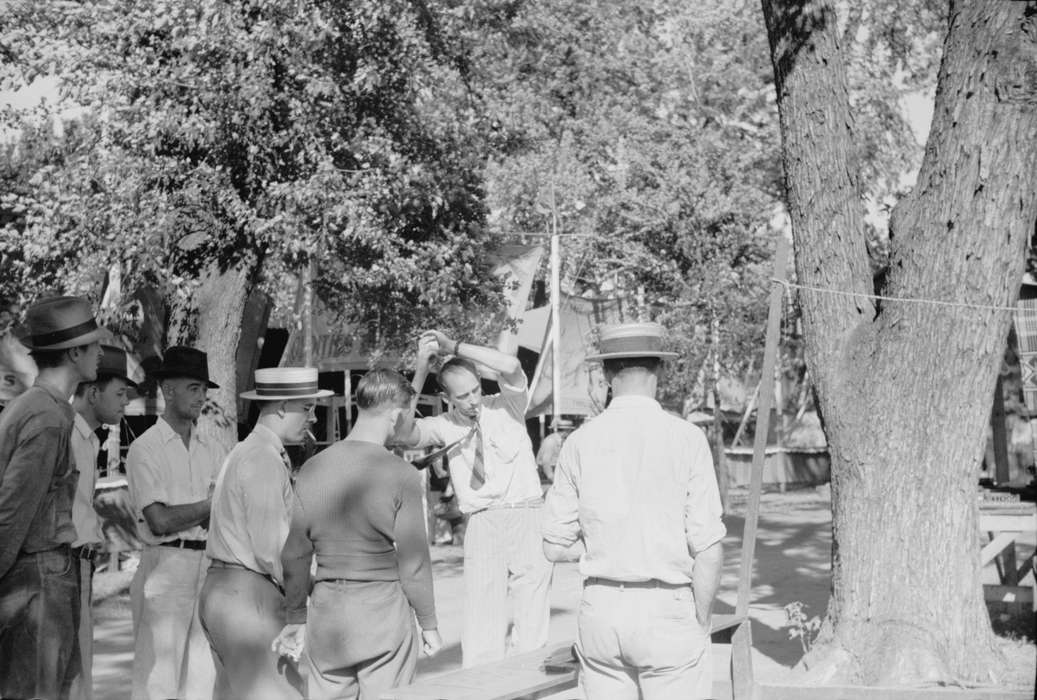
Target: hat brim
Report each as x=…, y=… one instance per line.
x=253, y=396
x=85, y=339
x=115, y=375
x=165, y=374
x=632, y=353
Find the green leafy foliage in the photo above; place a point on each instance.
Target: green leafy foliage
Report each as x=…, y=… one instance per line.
x=251, y=135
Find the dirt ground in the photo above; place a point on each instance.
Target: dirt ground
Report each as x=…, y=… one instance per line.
x=793, y=565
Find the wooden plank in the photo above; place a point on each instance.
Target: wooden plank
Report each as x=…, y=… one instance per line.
x=521, y=676
x=992, y=548
x=742, y=662
x=1006, y=522
x=763, y=415
x=770, y=691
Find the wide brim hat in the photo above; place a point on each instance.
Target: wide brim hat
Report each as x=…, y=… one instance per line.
x=115, y=363
x=623, y=340
x=60, y=323
x=182, y=362
x=286, y=384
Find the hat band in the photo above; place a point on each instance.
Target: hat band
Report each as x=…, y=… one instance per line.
x=65, y=334
x=632, y=344
x=285, y=388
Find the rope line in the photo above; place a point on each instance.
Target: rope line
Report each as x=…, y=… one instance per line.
x=878, y=297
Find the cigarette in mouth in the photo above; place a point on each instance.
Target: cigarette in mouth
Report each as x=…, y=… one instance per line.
x=311, y=436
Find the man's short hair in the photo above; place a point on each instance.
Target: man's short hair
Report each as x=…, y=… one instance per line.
x=381, y=387
x=48, y=359
x=615, y=365
x=457, y=364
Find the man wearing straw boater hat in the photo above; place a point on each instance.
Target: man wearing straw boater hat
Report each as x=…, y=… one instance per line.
x=242, y=603
x=172, y=469
x=635, y=499
x=39, y=575
x=100, y=402
x=360, y=513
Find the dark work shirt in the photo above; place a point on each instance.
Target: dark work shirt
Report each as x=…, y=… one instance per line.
x=359, y=508
x=37, y=476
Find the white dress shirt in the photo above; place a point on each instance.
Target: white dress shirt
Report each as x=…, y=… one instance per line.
x=161, y=469
x=637, y=485
x=508, y=463
x=85, y=447
x=252, y=505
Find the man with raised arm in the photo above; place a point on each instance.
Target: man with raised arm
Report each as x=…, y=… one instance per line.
x=494, y=475
x=360, y=510
x=635, y=499
x=171, y=469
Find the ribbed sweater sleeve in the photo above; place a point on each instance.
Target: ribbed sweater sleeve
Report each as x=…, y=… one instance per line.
x=295, y=559
x=412, y=551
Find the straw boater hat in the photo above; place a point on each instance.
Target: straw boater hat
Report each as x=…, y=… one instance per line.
x=630, y=340
x=115, y=363
x=182, y=362
x=60, y=323
x=285, y=384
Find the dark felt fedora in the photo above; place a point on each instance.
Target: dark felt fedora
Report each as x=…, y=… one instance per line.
x=115, y=363
x=60, y=323
x=181, y=362
x=631, y=340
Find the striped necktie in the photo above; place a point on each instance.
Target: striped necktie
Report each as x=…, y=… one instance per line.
x=478, y=467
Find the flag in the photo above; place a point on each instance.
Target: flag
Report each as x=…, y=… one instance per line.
x=516, y=268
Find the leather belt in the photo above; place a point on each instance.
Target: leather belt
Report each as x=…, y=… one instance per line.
x=220, y=564
x=650, y=583
x=88, y=551
x=184, y=544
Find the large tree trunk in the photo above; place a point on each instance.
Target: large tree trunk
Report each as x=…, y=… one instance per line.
x=905, y=388
x=211, y=321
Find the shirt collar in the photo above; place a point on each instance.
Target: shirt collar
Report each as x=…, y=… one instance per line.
x=83, y=427
x=634, y=401
x=168, y=434
x=267, y=435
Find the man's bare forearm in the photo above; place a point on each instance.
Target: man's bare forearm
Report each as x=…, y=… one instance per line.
x=168, y=520
x=705, y=580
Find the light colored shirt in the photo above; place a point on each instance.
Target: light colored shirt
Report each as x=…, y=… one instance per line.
x=85, y=446
x=637, y=485
x=252, y=505
x=508, y=464
x=161, y=469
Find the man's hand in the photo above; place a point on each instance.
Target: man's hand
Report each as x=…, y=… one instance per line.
x=431, y=642
x=428, y=347
x=290, y=642
x=444, y=342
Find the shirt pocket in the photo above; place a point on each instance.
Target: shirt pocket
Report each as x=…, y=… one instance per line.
x=506, y=443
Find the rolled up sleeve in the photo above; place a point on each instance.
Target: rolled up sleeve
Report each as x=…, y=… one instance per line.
x=561, y=508
x=703, y=512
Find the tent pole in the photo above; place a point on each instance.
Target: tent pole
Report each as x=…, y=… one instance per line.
x=556, y=326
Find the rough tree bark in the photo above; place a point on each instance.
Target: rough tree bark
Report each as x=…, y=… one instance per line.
x=905, y=388
x=211, y=321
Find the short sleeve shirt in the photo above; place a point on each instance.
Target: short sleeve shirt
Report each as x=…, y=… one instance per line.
x=508, y=462
x=161, y=469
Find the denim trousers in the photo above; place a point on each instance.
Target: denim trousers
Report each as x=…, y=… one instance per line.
x=39, y=625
